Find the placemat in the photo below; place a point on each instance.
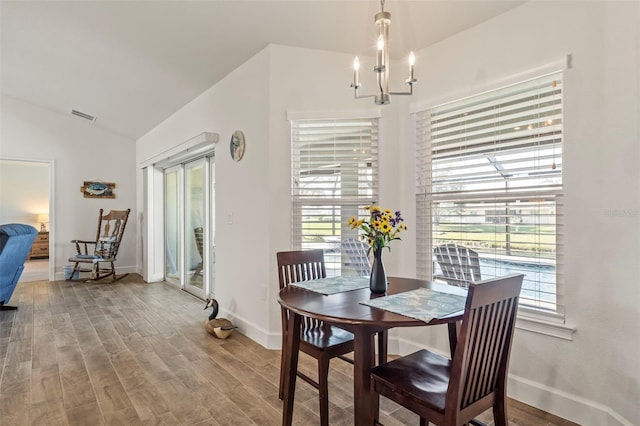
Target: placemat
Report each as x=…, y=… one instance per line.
x=333, y=285
x=422, y=304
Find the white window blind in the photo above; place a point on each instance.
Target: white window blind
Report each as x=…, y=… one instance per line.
x=334, y=175
x=489, y=177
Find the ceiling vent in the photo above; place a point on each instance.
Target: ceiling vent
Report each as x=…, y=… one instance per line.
x=83, y=115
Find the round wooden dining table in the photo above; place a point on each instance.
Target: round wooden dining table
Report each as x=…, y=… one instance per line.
x=345, y=311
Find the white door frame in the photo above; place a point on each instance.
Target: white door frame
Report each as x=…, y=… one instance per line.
x=152, y=171
x=52, y=210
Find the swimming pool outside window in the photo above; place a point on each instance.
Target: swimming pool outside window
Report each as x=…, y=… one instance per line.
x=489, y=177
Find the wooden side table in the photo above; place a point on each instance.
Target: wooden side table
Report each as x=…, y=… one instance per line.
x=40, y=247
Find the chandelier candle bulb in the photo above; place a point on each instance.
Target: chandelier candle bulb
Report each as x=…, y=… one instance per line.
x=356, y=67
x=412, y=62
x=380, y=58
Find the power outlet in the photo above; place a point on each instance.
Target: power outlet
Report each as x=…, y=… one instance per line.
x=230, y=218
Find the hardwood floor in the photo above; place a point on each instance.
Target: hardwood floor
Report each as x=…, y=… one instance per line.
x=133, y=353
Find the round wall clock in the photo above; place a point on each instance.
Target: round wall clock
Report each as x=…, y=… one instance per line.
x=236, y=146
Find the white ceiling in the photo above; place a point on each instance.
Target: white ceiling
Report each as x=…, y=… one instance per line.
x=133, y=63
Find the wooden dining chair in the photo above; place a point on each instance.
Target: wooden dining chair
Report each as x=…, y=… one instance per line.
x=452, y=392
x=318, y=340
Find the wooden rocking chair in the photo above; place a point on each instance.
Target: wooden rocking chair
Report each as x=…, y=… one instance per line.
x=104, y=249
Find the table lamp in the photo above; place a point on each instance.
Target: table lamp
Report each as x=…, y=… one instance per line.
x=43, y=218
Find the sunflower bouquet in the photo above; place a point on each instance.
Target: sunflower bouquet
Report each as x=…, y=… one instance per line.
x=382, y=227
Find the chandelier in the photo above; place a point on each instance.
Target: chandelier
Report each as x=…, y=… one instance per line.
x=383, y=21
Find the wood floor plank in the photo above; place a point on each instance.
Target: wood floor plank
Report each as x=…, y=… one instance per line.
x=21, y=331
x=130, y=373
x=16, y=378
x=69, y=355
x=225, y=412
x=189, y=350
x=191, y=409
x=45, y=384
x=5, y=329
x=48, y=413
x=112, y=398
x=217, y=375
x=254, y=407
x=152, y=364
x=83, y=415
x=149, y=403
x=77, y=390
x=132, y=353
x=43, y=352
x=15, y=408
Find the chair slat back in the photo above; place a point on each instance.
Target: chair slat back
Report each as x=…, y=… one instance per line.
x=301, y=265
x=357, y=252
x=297, y=266
x=110, y=231
x=481, y=359
x=460, y=265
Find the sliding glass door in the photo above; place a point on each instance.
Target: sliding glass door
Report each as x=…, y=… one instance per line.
x=195, y=218
x=189, y=226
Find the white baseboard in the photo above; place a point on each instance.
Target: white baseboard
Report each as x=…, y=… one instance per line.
x=253, y=331
x=156, y=278
x=562, y=404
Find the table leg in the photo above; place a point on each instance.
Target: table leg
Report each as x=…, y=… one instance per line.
x=453, y=336
x=383, y=338
x=363, y=359
x=291, y=367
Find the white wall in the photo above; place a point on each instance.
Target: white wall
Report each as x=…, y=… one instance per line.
x=594, y=379
x=238, y=102
x=80, y=151
x=24, y=192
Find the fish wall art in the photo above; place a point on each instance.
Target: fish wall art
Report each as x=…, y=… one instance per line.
x=98, y=189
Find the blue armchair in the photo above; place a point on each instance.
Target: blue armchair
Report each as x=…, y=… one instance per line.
x=15, y=244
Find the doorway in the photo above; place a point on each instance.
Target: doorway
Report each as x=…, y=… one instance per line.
x=25, y=189
x=189, y=194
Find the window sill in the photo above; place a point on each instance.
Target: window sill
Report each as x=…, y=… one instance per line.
x=549, y=325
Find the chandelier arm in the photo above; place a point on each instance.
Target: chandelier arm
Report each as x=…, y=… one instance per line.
x=356, y=96
x=410, y=92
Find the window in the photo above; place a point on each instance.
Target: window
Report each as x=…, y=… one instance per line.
x=334, y=174
x=489, y=177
